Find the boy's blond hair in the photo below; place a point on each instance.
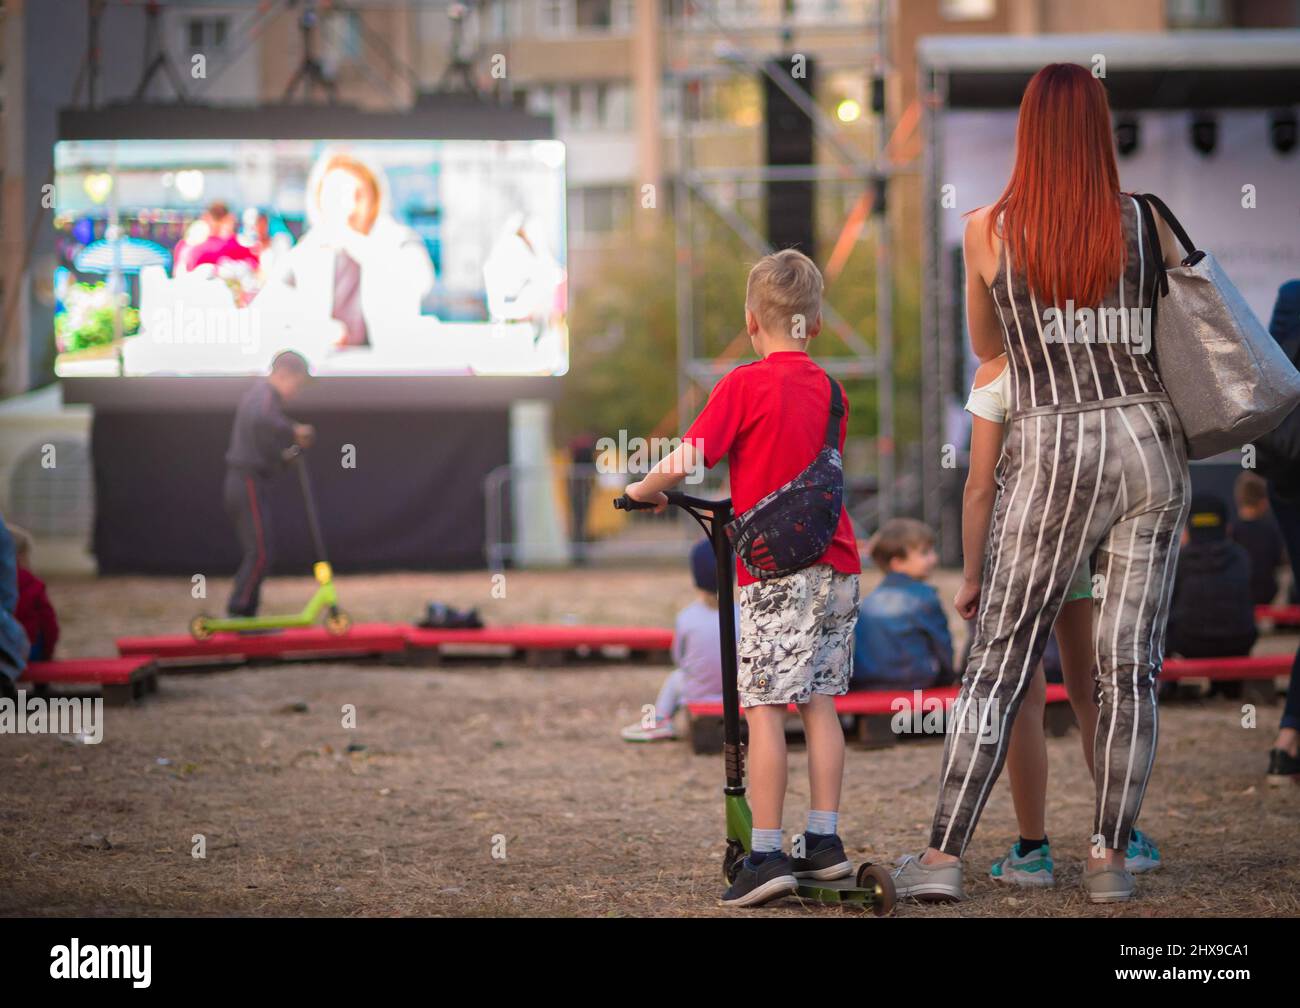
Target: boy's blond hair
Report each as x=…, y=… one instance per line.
x=896, y=537
x=784, y=291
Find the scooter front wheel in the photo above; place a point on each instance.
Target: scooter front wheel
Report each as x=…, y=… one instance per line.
x=732, y=859
x=338, y=622
x=199, y=628
x=880, y=884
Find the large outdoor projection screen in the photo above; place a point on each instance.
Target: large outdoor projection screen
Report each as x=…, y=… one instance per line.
x=206, y=257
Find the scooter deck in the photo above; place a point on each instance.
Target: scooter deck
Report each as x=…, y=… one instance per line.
x=845, y=890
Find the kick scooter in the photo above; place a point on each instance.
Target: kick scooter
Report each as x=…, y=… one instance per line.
x=872, y=886
x=325, y=598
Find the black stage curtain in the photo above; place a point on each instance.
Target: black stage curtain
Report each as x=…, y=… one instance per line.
x=413, y=502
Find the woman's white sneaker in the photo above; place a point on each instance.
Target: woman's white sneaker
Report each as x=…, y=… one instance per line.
x=931, y=883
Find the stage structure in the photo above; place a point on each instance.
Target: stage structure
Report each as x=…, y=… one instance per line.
x=1205, y=119
x=794, y=126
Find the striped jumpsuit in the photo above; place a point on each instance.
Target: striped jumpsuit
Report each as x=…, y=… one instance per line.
x=1093, y=465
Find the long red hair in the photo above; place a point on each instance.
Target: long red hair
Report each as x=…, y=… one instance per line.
x=1060, y=210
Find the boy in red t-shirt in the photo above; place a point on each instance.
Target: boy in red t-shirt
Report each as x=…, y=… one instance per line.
x=769, y=419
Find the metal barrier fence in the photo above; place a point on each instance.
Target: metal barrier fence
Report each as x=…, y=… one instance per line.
x=582, y=490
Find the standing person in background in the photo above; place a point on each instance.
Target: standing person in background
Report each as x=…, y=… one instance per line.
x=582, y=453
x=1094, y=462
x=1256, y=532
x=13, y=640
x=260, y=436
x=1284, y=494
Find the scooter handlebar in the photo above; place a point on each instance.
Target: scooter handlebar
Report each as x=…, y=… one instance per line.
x=626, y=503
x=676, y=497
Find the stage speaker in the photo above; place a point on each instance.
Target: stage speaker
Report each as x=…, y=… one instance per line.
x=788, y=140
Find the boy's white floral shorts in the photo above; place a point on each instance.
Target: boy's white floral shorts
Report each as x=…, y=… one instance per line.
x=796, y=636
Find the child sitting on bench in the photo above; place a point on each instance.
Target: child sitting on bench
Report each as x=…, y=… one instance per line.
x=1255, y=530
x=1212, y=614
x=695, y=651
x=902, y=640
x=35, y=612
x=13, y=639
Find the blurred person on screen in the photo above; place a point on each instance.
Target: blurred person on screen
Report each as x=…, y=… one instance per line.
x=521, y=277
x=211, y=240
x=355, y=263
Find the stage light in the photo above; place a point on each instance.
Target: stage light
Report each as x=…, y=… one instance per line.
x=1204, y=133
x=1126, y=135
x=848, y=111
x=1282, y=130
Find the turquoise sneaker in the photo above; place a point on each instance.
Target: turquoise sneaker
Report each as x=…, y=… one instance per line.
x=1142, y=855
x=1034, y=869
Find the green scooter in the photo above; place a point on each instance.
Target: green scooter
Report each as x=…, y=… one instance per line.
x=325, y=599
x=872, y=886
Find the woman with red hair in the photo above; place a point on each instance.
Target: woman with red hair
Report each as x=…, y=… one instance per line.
x=1061, y=276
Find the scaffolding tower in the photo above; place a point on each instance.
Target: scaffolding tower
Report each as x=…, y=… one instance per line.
x=693, y=193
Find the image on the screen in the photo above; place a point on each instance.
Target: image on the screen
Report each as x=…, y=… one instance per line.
x=209, y=257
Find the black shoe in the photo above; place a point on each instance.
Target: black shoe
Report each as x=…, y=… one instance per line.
x=755, y=886
x=823, y=862
x=1283, y=768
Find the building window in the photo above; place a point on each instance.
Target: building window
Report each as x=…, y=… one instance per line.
x=340, y=38
x=554, y=16
x=1196, y=13
x=968, y=10
x=598, y=105
x=593, y=14
x=731, y=101
x=598, y=211
x=207, y=34
x=499, y=19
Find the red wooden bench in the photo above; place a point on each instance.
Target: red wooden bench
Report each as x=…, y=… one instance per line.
x=874, y=712
x=541, y=644
x=1278, y=615
x=176, y=651
x=1254, y=673
x=122, y=680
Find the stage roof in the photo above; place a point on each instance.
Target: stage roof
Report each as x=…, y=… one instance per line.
x=1185, y=69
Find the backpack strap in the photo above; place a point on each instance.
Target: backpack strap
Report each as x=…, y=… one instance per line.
x=837, y=413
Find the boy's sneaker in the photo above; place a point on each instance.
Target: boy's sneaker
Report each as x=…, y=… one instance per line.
x=1033, y=869
x=1142, y=855
x=933, y=883
x=1283, y=768
x=756, y=885
x=1108, y=885
x=663, y=729
x=824, y=858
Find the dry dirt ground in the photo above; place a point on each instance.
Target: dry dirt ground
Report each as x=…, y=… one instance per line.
x=461, y=764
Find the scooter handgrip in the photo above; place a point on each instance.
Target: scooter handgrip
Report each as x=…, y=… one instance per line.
x=626, y=503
